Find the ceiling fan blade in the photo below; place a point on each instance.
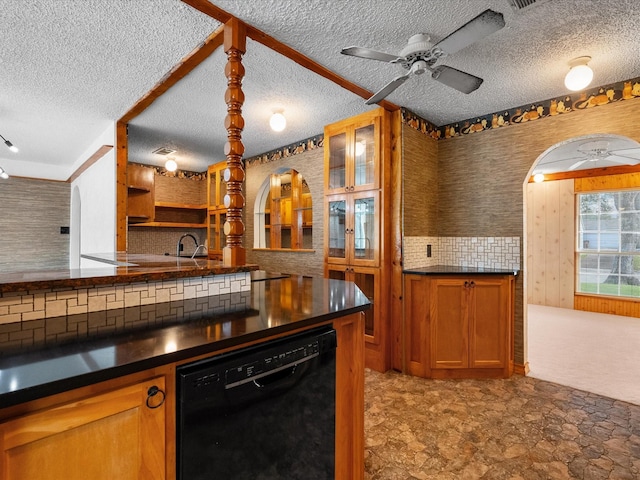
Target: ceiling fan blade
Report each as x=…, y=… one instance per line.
x=388, y=88
x=368, y=53
x=484, y=24
x=451, y=77
x=625, y=152
x=623, y=159
x=577, y=164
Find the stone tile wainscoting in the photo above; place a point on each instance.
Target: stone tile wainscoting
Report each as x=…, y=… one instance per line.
x=40, y=304
x=481, y=252
x=52, y=331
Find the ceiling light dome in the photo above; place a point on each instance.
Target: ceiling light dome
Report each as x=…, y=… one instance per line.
x=579, y=75
x=277, y=122
x=171, y=165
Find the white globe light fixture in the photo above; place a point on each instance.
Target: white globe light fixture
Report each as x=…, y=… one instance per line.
x=277, y=122
x=579, y=75
x=538, y=177
x=171, y=165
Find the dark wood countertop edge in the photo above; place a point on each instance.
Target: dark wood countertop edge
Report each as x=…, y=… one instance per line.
x=124, y=278
x=453, y=270
x=10, y=399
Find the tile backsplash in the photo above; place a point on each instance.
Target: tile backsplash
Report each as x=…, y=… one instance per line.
x=487, y=252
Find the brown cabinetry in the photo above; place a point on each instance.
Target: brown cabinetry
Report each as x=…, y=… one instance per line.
x=357, y=207
x=459, y=326
x=119, y=429
x=216, y=211
x=114, y=434
x=162, y=201
x=140, y=193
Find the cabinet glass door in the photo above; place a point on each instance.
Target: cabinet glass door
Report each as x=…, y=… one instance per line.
x=364, y=156
x=337, y=161
x=364, y=229
x=337, y=228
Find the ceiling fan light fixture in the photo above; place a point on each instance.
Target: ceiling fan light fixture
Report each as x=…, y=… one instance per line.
x=277, y=122
x=171, y=165
x=579, y=75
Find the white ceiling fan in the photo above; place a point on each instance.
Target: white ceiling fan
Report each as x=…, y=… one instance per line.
x=597, y=151
x=419, y=56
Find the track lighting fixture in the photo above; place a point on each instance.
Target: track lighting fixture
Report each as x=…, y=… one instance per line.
x=9, y=145
x=4, y=175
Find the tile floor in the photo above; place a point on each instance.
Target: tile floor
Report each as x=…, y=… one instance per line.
x=520, y=428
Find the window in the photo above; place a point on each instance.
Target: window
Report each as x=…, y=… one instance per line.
x=283, y=213
x=608, y=249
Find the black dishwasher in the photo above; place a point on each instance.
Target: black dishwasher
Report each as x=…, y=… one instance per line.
x=260, y=413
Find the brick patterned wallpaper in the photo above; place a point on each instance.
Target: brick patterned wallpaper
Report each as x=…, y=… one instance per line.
x=32, y=212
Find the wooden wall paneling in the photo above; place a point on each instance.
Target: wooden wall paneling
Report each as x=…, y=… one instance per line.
x=566, y=242
x=551, y=245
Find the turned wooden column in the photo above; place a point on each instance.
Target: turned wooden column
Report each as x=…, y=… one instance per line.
x=233, y=254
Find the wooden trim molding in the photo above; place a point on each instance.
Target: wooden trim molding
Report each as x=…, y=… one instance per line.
x=591, y=173
x=101, y=152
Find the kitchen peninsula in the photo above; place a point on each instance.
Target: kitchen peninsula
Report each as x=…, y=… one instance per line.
x=115, y=376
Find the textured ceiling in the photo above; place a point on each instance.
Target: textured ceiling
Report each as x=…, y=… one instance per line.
x=70, y=68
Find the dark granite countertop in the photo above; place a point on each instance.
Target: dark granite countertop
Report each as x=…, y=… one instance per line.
x=119, y=267
x=202, y=326
x=453, y=269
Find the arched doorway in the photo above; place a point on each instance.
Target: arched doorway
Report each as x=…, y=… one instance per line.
x=585, y=350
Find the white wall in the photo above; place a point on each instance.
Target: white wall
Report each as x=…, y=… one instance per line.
x=97, y=194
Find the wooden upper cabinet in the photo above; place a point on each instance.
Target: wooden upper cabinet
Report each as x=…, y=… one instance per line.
x=107, y=436
x=353, y=229
x=353, y=154
x=140, y=193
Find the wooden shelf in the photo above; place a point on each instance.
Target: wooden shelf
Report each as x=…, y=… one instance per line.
x=169, y=225
x=201, y=206
x=135, y=189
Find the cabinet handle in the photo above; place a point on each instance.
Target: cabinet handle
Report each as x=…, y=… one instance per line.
x=472, y=284
x=466, y=284
x=152, y=392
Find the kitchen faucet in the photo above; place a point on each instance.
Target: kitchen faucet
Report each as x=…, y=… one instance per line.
x=195, y=240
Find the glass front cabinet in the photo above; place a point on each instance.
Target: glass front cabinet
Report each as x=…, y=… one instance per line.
x=216, y=211
x=356, y=160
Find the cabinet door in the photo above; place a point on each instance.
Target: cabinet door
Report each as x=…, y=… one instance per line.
x=449, y=323
x=368, y=281
x=416, y=325
x=352, y=155
x=352, y=231
x=114, y=435
x=488, y=317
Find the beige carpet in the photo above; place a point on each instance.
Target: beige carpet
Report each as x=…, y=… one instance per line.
x=594, y=352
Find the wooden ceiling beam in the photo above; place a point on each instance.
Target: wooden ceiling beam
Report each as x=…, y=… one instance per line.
x=268, y=41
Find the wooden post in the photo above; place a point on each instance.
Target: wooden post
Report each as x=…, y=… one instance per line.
x=233, y=254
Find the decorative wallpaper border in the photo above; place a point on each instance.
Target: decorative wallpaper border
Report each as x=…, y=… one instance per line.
x=178, y=173
x=297, y=148
x=625, y=90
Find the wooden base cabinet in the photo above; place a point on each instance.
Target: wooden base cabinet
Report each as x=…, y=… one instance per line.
x=117, y=434
x=459, y=326
x=119, y=429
